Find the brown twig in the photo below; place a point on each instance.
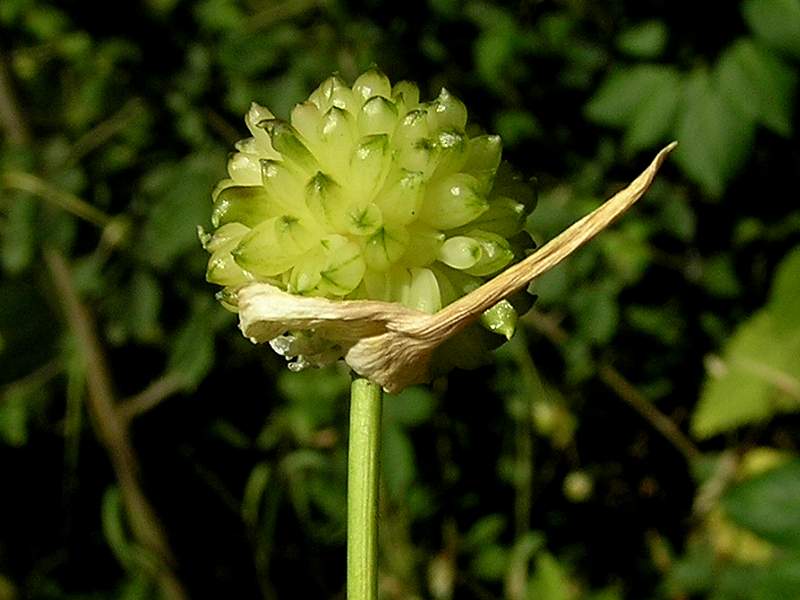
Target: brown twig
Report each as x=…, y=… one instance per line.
x=640, y=403
x=10, y=115
x=112, y=430
x=37, y=378
x=150, y=397
x=220, y=125
x=624, y=389
x=27, y=182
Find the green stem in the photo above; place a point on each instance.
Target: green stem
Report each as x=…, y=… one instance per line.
x=363, y=475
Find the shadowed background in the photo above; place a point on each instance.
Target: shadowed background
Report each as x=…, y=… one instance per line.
x=636, y=439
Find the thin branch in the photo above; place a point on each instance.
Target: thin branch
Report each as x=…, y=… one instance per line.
x=277, y=12
x=36, y=378
x=112, y=429
x=37, y=186
x=781, y=380
x=10, y=115
x=641, y=404
x=155, y=393
x=624, y=389
x=220, y=125
x=104, y=131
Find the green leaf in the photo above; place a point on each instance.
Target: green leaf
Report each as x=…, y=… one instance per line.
x=14, y=408
x=130, y=555
x=627, y=250
x=759, y=84
x=491, y=562
x=144, y=301
x=192, y=352
x=325, y=386
x=655, y=116
x=397, y=454
x=412, y=406
x=769, y=505
x=515, y=126
x=719, y=277
x=783, y=304
x=254, y=491
x=776, y=22
x=757, y=376
x=678, y=218
x=624, y=92
x=180, y=200
x=114, y=526
x=759, y=372
x=315, y=394
x=19, y=234
x=26, y=328
x=597, y=314
x=715, y=139
x=484, y=531
x=692, y=573
x=549, y=581
x=780, y=579
x=645, y=40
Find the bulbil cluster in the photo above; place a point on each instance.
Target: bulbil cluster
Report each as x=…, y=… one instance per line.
x=366, y=193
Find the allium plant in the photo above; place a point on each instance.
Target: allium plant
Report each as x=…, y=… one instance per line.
x=366, y=228
x=367, y=193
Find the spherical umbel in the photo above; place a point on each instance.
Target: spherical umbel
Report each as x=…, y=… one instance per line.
x=364, y=193
x=372, y=228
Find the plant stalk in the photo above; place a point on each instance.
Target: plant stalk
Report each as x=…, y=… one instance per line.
x=363, y=476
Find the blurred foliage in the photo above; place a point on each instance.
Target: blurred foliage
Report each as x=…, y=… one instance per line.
x=548, y=475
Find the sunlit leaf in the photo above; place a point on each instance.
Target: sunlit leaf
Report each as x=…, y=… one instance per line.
x=644, y=40
x=777, y=22
x=758, y=374
x=549, y=580
x=759, y=84
x=192, y=351
x=715, y=139
x=623, y=93
x=769, y=505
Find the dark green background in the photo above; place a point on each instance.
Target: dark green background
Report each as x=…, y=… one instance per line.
x=537, y=469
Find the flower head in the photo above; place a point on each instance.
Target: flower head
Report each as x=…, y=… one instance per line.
x=366, y=194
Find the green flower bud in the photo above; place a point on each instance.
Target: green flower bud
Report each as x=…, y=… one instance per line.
x=447, y=111
x=334, y=92
x=385, y=247
x=483, y=158
x=405, y=95
x=364, y=194
x=372, y=83
x=248, y=205
x=460, y=252
x=378, y=115
x=286, y=141
x=501, y=318
x=494, y=256
x=453, y=202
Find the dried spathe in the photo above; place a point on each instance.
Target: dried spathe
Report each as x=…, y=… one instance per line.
x=392, y=344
